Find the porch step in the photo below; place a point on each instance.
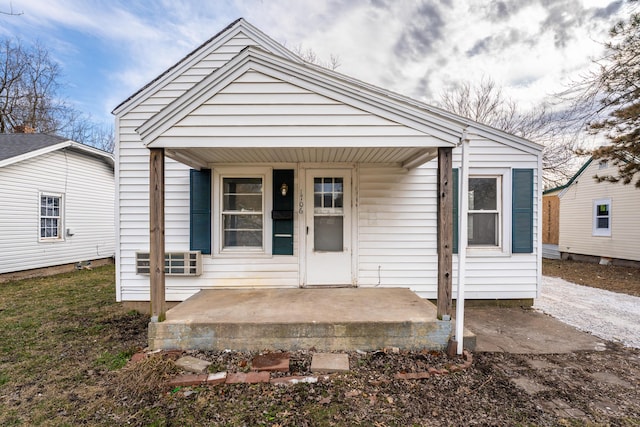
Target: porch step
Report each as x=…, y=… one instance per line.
x=298, y=319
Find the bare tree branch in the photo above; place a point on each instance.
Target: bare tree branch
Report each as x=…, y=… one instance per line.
x=487, y=104
x=309, y=55
x=607, y=102
x=29, y=100
x=11, y=12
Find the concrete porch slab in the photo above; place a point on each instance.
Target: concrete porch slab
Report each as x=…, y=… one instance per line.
x=298, y=319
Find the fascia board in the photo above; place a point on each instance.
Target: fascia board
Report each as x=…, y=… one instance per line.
x=433, y=111
x=187, y=62
x=186, y=159
x=176, y=143
x=193, y=98
x=575, y=177
x=267, y=42
x=64, y=144
x=506, y=139
x=92, y=151
x=251, y=58
x=481, y=129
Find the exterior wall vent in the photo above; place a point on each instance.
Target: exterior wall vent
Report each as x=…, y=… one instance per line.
x=175, y=263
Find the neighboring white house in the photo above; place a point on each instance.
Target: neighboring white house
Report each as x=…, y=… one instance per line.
x=281, y=173
x=57, y=202
x=599, y=219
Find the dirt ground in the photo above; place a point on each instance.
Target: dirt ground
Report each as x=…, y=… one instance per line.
x=583, y=388
x=61, y=358
x=610, y=277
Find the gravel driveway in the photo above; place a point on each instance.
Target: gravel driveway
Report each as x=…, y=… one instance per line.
x=608, y=315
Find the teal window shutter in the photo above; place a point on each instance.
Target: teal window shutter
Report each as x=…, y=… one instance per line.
x=522, y=211
x=200, y=210
x=455, y=210
x=282, y=215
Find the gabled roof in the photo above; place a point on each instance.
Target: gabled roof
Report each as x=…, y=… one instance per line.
x=446, y=126
x=17, y=147
x=316, y=79
x=471, y=126
x=237, y=26
x=17, y=144
x=571, y=180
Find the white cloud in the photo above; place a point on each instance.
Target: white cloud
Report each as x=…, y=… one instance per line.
x=417, y=48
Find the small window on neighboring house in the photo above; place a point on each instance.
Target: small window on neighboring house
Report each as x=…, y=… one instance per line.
x=483, y=228
x=603, y=164
x=50, y=217
x=602, y=217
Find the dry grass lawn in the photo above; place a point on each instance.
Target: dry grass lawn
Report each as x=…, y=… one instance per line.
x=64, y=344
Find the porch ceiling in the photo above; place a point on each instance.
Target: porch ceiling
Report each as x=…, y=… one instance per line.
x=198, y=158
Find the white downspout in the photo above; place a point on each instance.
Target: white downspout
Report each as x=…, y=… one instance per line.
x=463, y=203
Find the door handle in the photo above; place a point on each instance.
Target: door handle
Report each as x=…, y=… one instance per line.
x=307, y=230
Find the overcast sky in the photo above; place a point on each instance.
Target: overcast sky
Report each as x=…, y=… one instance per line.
x=109, y=49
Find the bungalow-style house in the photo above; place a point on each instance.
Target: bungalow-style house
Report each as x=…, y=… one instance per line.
x=598, y=221
x=260, y=170
x=57, y=204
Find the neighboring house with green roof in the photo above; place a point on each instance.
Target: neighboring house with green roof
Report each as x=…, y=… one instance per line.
x=598, y=221
x=57, y=202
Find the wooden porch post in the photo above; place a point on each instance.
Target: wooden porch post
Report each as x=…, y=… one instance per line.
x=445, y=231
x=156, y=234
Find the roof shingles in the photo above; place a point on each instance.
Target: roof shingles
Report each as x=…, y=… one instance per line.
x=16, y=144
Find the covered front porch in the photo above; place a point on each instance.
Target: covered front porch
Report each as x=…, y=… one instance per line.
x=326, y=319
x=306, y=145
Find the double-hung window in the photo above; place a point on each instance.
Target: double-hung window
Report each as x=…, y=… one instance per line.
x=242, y=213
x=50, y=217
x=484, y=224
x=239, y=219
x=602, y=217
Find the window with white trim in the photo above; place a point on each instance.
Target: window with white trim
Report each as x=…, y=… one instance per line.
x=602, y=217
x=242, y=213
x=241, y=207
x=50, y=217
x=485, y=203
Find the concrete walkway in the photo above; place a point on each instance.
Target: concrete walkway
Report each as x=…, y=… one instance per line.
x=525, y=331
x=567, y=318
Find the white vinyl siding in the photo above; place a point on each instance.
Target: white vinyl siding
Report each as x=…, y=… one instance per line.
x=395, y=214
x=577, y=215
x=133, y=201
x=86, y=185
x=499, y=273
x=396, y=232
x=257, y=107
x=397, y=229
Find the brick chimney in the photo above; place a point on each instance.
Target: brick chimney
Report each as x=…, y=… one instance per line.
x=23, y=129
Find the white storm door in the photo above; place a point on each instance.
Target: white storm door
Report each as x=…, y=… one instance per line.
x=328, y=227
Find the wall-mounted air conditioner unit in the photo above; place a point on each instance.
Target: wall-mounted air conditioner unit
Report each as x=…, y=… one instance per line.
x=175, y=263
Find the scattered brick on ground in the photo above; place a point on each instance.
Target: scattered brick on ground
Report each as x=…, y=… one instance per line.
x=264, y=364
x=192, y=364
x=274, y=362
x=248, y=377
x=330, y=362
